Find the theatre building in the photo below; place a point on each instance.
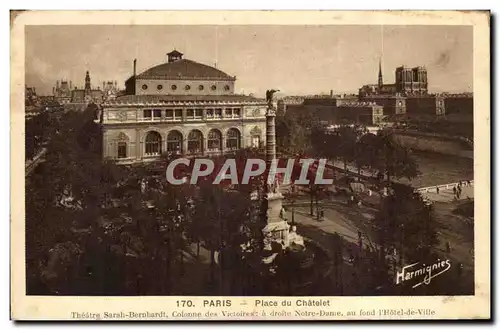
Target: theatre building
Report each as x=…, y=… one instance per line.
x=180, y=107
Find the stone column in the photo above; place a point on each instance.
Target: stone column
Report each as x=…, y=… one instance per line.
x=185, y=144
x=223, y=149
x=270, y=136
x=205, y=142
x=183, y=114
x=137, y=144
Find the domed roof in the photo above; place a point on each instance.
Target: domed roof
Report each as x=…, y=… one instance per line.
x=184, y=69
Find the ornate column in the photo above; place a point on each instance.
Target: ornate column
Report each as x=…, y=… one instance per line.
x=185, y=144
x=224, y=141
x=277, y=228
x=270, y=135
x=205, y=140
x=138, y=143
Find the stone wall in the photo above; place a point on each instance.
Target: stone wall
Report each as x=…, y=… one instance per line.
x=434, y=143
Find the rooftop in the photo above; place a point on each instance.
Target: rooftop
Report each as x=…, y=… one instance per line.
x=184, y=69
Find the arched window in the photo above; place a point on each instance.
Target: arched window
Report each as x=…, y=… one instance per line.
x=214, y=140
x=195, y=142
x=153, y=144
x=121, y=146
x=255, y=134
x=233, y=139
x=121, y=149
x=174, y=142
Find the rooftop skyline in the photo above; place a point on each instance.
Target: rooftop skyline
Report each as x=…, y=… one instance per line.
x=298, y=60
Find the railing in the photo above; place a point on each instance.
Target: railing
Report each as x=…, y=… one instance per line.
x=444, y=186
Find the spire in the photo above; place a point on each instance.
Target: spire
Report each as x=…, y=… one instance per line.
x=87, y=81
x=380, y=79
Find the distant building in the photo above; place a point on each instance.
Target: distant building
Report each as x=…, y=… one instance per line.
x=459, y=103
x=180, y=107
x=288, y=100
x=62, y=91
x=428, y=105
x=30, y=97
x=65, y=94
x=392, y=104
x=336, y=111
x=87, y=94
x=110, y=89
x=409, y=96
x=409, y=81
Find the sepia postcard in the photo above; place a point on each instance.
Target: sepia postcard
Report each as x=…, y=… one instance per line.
x=250, y=165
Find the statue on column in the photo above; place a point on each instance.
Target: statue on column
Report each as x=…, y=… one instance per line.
x=270, y=99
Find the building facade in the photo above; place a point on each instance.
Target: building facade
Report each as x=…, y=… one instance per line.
x=180, y=107
x=337, y=111
x=411, y=80
x=67, y=94
x=426, y=105
x=392, y=104
x=408, y=81
x=409, y=97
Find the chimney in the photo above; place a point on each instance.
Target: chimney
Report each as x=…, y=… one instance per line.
x=70, y=85
x=331, y=92
x=135, y=66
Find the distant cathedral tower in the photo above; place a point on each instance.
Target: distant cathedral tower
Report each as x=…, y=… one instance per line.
x=87, y=84
x=380, y=79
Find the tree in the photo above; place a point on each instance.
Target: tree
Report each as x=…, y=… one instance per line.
x=347, y=138
x=405, y=223
x=395, y=161
x=294, y=131
x=368, y=152
x=67, y=192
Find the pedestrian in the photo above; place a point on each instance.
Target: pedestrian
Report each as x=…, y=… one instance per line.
x=455, y=191
x=437, y=190
x=448, y=247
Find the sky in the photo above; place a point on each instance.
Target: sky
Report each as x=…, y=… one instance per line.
x=297, y=60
